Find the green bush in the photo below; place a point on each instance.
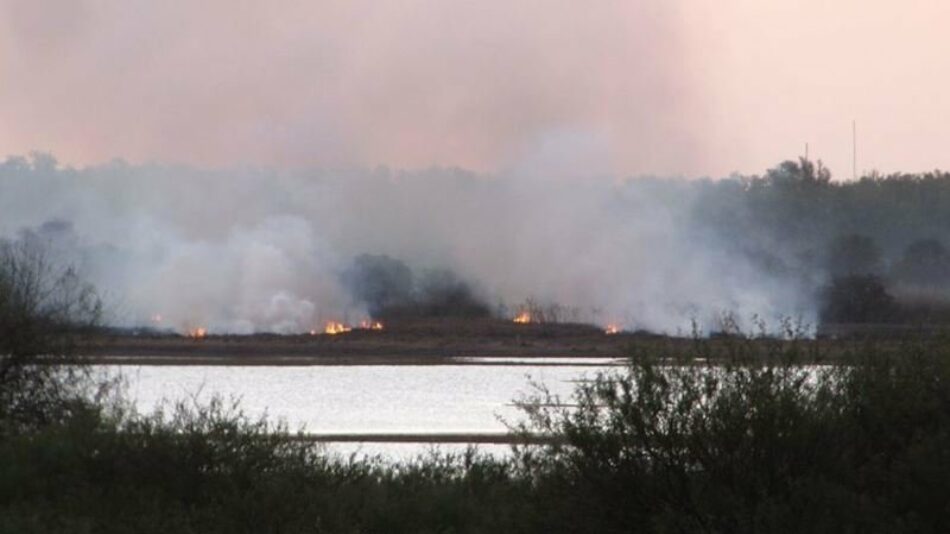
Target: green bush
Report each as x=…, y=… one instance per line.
x=752, y=443
x=208, y=468
x=45, y=311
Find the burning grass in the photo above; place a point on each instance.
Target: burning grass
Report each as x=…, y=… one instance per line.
x=333, y=328
x=523, y=318
x=337, y=327
x=197, y=333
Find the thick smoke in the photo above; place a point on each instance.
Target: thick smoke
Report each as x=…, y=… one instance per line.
x=411, y=83
x=258, y=250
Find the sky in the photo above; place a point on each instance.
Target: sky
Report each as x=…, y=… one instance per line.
x=665, y=87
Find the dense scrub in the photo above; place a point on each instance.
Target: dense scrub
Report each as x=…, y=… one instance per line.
x=757, y=443
x=209, y=469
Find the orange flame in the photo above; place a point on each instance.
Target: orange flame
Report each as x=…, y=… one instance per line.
x=612, y=329
x=197, y=333
x=371, y=325
x=335, y=327
x=523, y=318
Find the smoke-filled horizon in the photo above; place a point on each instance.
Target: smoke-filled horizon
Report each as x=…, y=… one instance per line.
x=259, y=250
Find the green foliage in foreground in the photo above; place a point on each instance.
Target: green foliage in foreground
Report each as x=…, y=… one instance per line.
x=754, y=443
x=210, y=469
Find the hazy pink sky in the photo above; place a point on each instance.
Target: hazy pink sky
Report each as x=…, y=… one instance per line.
x=695, y=87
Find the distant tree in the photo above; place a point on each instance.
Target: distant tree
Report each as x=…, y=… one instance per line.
x=801, y=172
x=857, y=299
x=380, y=282
x=854, y=255
x=442, y=293
x=925, y=262
x=790, y=203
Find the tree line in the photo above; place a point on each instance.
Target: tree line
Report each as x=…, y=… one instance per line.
x=872, y=250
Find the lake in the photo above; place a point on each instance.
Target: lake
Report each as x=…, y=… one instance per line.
x=471, y=396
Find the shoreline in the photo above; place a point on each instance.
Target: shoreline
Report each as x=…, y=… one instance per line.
x=469, y=342
x=408, y=342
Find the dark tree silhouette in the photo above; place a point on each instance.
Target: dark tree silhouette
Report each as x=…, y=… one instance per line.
x=389, y=289
x=380, y=282
x=801, y=172
x=925, y=262
x=857, y=299
x=44, y=313
x=854, y=255
x=442, y=293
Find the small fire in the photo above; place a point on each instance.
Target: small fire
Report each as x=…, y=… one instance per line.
x=612, y=329
x=523, y=318
x=334, y=327
x=197, y=333
x=371, y=325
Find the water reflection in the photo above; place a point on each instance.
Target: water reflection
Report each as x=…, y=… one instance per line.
x=363, y=399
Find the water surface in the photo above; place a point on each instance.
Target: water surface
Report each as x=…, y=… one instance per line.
x=362, y=399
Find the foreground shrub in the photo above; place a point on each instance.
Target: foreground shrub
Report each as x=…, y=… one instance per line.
x=753, y=443
x=208, y=468
x=45, y=312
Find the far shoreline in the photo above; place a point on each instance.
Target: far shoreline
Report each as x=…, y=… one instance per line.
x=462, y=342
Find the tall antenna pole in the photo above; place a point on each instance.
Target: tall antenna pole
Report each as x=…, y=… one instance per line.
x=854, y=149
